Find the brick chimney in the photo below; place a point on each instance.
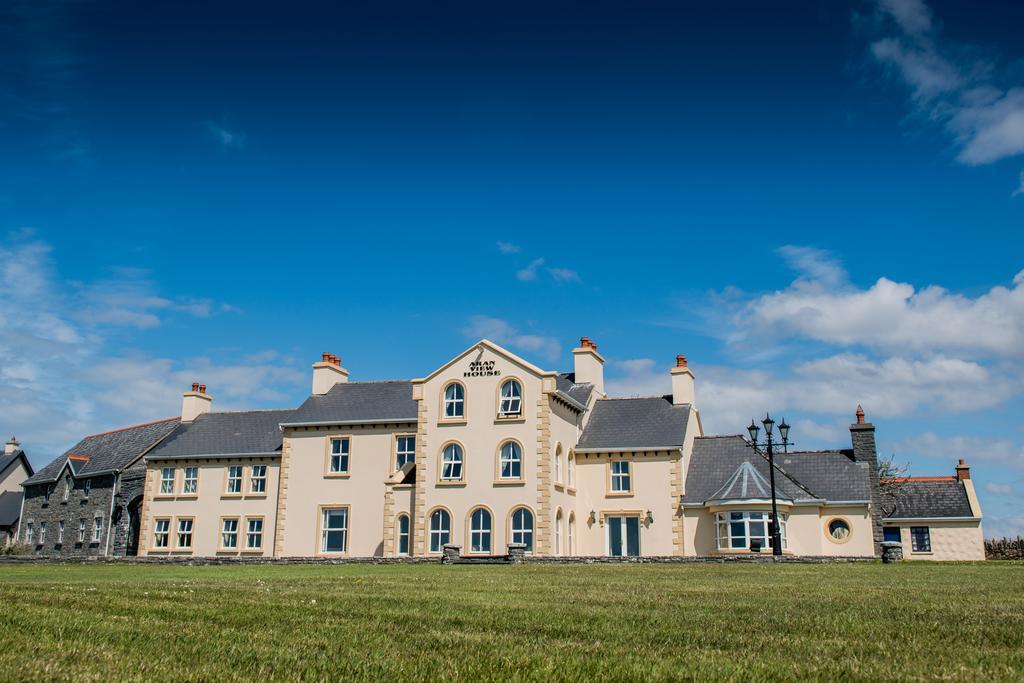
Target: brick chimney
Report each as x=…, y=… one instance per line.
x=195, y=402
x=327, y=372
x=682, y=383
x=963, y=470
x=13, y=446
x=589, y=364
x=862, y=436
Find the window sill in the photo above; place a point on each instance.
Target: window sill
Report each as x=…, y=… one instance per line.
x=164, y=496
x=451, y=484
x=188, y=496
x=253, y=551
x=921, y=552
x=619, y=494
x=229, y=495
x=255, y=496
x=403, y=486
x=512, y=419
x=571, y=490
x=453, y=422
x=509, y=482
x=559, y=487
x=336, y=475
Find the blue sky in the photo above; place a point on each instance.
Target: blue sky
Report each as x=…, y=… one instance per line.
x=820, y=203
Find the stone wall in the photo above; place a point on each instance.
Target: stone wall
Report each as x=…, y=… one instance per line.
x=133, y=480
x=1004, y=549
x=76, y=507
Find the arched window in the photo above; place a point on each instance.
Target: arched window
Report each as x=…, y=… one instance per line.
x=510, y=465
x=522, y=527
x=570, y=470
x=480, y=531
x=571, y=548
x=558, y=532
x=451, y=462
x=511, y=399
x=454, y=401
x=402, y=535
x=440, y=530
x=558, y=464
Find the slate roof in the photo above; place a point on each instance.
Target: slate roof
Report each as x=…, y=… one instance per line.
x=353, y=402
x=566, y=383
x=927, y=498
x=635, y=424
x=108, y=452
x=746, y=483
x=10, y=508
x=717, y=460
x=7, y=459
x=228, y=433
x=832, y=475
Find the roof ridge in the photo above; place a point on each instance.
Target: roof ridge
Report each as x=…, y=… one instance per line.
x=255, y=410
x=370, y=381
x=634, y=398
x=900, y=480
x=124, y=429
x=720, y=436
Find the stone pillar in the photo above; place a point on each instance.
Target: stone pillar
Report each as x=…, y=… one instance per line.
x=516, y=552
x=450, y=553
x=892, y=551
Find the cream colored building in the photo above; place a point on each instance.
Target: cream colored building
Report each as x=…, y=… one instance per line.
x=490, y=451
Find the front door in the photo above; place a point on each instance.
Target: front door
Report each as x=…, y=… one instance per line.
x=623, y=535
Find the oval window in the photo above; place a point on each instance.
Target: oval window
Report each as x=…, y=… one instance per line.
x=838, y=529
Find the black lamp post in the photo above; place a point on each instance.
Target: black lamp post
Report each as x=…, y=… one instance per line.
x=769, y=443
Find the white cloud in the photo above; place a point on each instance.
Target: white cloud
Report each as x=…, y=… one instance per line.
x=998, y=489
x=814, y=264
x=1004, y=526
x=890, y=315
x=224, y=137
x=986, y=120
x=529, y=273
x=564, y=274
x=508, y=248
x=502, y=332
x=973, y=449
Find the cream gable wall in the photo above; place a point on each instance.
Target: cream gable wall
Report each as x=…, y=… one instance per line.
x=13, y=476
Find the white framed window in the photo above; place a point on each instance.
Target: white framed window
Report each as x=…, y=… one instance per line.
x=42, y=533
x=571, y=546
x=82, y=522
x=511, y=404
x=67, y=488
x=454, y=401
x=47, y=492
x=258, y=479
x=334, y=531
x=405, y=451
x=29, y=533
x=229, y=533
x=185, y=527
x=234, y=484
x=522, y=528
x=339, y=456
x=254, y=533
x=920, y=539
x=403, y=534
x=190, y=482
x=510, y=465
x=97, y=529
x=161, y=532
x=451, y=462
x=558, y=533
x=619, y=476
x=480, y=531
x=60, y=532
x=739, y=530
x=440, y=530
x=570, y=470
x=167, y=481
x=88, y=487
x=558, y=464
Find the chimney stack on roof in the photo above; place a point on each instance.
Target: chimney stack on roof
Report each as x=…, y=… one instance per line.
x=12, y=446
x=860, y=414
x=963, y=470
x=327, y=372
x=196, y=402
x=683, y=392
x=588, y=365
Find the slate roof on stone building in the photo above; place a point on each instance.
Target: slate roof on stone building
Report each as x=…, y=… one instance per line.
x=635, y=424
x=107, y=452
x=250, y=432
x=566, y=383
x=353, y=402
x=927, y=498
x=719, y=465
x=10, y=508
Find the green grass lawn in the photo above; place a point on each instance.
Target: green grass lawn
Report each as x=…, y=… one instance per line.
x=539, y=622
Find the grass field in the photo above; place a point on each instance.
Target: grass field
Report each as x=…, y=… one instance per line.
x=845, y=622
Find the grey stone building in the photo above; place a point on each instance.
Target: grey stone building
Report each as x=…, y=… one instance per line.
x=87, y=501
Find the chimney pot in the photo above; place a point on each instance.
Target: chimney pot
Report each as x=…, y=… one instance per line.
x=963, y=471
x=860, y=414
x=202, y=388
x=195, y=386
x=325, y=357
x=680, y=361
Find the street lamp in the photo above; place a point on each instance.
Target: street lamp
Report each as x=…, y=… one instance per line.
x=769, y=444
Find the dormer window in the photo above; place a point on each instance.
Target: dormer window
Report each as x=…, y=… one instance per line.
x=454, y=402
x=511, y=404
